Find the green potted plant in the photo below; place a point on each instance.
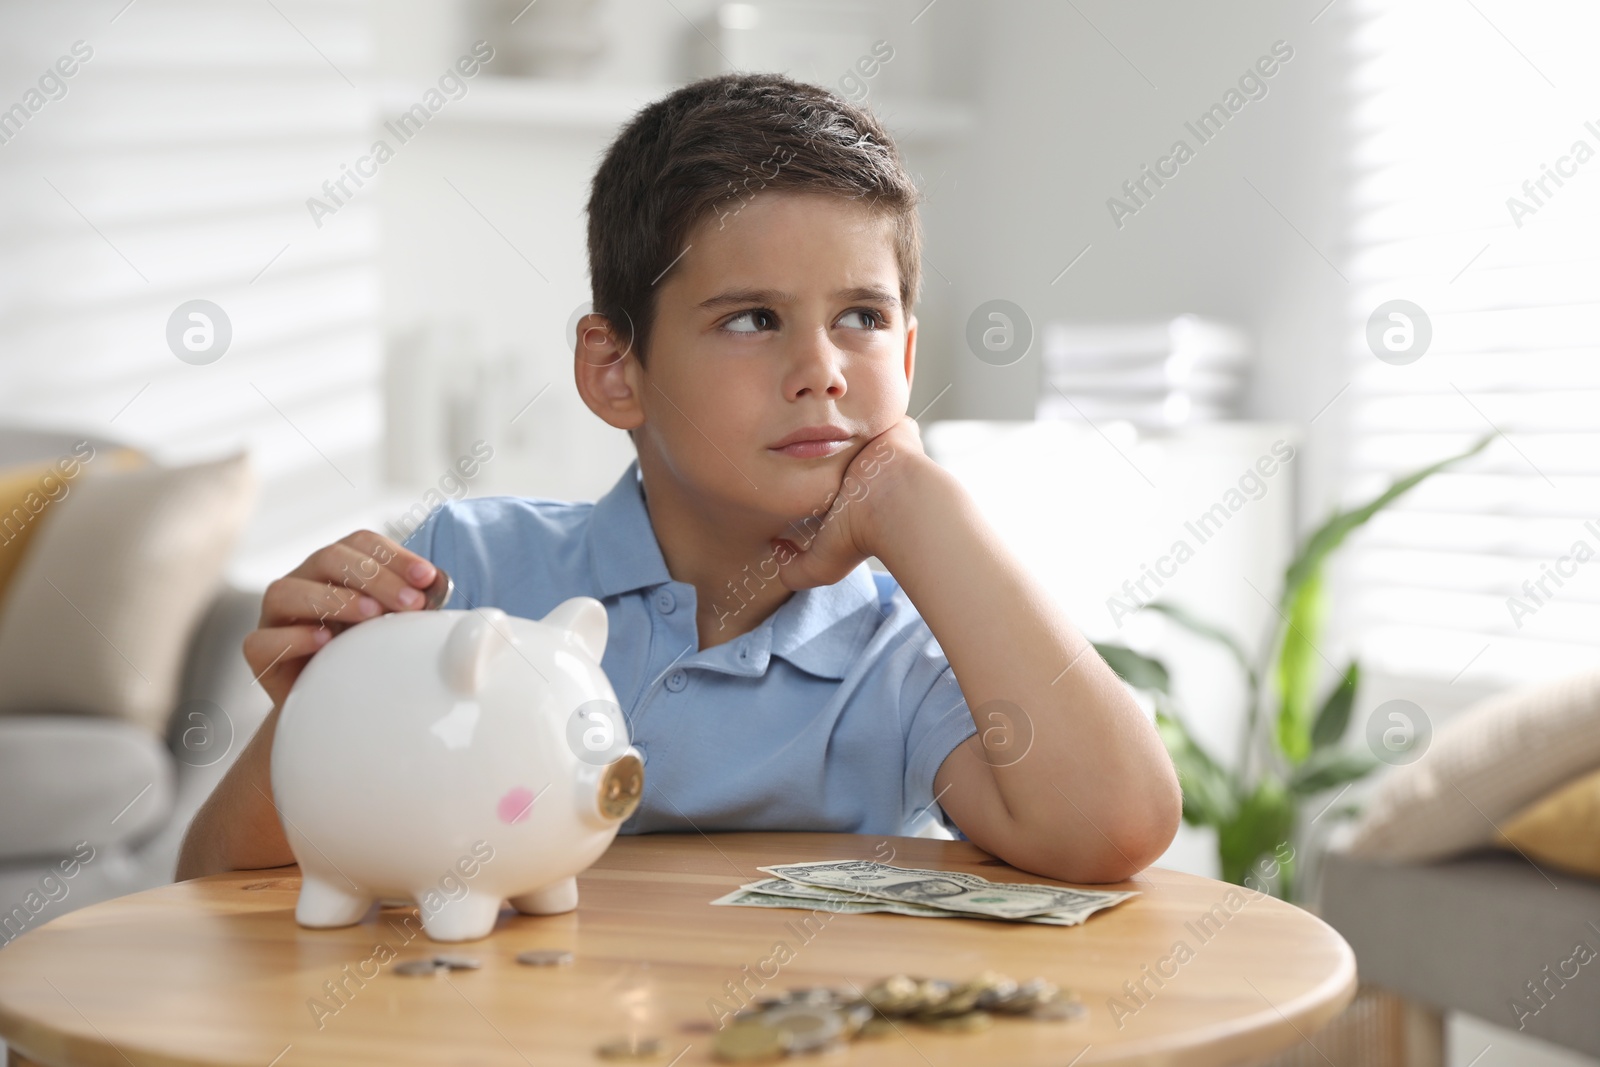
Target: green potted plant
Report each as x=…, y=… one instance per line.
x=1298, y=753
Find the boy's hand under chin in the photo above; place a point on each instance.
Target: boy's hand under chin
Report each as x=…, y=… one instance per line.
x=883, y=472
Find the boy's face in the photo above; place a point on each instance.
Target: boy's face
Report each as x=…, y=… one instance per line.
x=782, y=317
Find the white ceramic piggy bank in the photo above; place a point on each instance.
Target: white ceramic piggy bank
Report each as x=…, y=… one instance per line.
x=453, y=758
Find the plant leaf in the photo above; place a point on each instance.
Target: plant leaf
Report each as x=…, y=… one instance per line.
x=1297, y=670
x=1137, y=669
x=1208, y=791
x=1331, y=534
x=1301, y=603
x=1334, y=717
x=1263, y=823
x=1330, y=767
x=1193, y=623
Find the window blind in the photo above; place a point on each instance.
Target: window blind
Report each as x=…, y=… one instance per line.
x=1475, y=194
x=175, y=165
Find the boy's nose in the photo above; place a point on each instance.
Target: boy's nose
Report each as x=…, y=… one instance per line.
x=816, y=369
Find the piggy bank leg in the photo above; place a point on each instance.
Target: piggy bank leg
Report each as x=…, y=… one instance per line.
x=467, y=919
x=326, y=902
x=553, y=898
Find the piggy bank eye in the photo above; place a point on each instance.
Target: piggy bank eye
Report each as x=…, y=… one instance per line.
x=597, y=733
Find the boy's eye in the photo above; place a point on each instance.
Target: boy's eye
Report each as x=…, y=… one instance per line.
x=757, y=319
x=871, y=320
x=744, y=321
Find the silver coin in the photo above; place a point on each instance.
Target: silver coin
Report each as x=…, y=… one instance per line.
x=809, y=1026
x=458, y=963
x=414, y=967
x=438, y=593
x=544, y=957
x=1062, y=1010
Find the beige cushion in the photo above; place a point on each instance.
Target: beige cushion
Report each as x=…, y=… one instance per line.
x=28, y=490
x=1484, y=768
x=1561, y=829
x=101, y=609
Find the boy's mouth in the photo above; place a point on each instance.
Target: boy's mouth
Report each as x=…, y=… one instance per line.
x=809, y=442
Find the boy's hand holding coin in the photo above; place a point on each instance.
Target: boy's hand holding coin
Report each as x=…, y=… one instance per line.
x=356, y=578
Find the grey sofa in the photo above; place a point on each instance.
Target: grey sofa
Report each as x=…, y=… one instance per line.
x=1479, y=934
x=130, y=795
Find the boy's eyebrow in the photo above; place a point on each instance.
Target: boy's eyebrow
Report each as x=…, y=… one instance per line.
x=739, y=297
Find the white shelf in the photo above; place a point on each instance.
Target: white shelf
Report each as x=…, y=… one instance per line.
x=535, y=103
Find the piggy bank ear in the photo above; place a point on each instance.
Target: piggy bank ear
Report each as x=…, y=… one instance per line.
x=584, y=618
x=471, y=643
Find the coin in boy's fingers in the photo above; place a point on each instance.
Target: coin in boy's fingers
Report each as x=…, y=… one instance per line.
x=438, y=594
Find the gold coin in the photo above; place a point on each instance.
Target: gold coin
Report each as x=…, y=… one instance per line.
x=750, y=1042
x=931, y=992
x=1027, y=996
x=877, y=1026
x=961, y=999
x=893, y=995
x=996, y=989
x=630, y=1048
x=991, y=980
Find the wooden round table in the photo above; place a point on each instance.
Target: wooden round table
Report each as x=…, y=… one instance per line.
x=216, y=971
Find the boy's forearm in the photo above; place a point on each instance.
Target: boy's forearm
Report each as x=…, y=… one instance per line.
x=237, y=828
x=1096, y=778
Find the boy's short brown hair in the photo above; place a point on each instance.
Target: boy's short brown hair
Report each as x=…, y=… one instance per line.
x=695, y=153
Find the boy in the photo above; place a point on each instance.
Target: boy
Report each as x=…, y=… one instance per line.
x=754, y=253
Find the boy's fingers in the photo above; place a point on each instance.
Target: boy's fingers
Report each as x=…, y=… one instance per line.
x=276, y=646
x=411, y=567
x=346, y=565
x=304, y=600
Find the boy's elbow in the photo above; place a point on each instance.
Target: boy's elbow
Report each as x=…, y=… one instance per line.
x=1151, y=824
x=1121, y=846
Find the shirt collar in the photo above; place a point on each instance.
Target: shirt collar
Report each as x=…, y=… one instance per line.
x=624, y=554
x=820, y=630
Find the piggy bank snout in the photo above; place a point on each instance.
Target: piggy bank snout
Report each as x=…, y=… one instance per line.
x=621, y=786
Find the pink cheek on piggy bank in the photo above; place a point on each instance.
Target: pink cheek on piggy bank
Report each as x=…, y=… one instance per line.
x=515, y=806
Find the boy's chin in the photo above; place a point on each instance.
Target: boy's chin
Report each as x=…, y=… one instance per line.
x=799, y=489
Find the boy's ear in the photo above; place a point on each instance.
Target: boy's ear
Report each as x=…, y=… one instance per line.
x=911, y=350
x=607, y=373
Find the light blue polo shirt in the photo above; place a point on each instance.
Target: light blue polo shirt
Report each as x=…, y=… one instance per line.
x=832, y=715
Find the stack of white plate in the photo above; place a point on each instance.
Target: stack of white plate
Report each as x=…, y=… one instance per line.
x=1154, y=374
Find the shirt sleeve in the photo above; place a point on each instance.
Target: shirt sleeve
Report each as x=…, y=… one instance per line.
x=937, y=720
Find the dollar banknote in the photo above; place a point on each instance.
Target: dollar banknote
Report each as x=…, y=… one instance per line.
x=780, y=893
x=845, y=904
x=950, y=890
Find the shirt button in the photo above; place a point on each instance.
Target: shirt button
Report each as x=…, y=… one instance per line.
x=676, y=681
x=744, y=650
x=665, y=601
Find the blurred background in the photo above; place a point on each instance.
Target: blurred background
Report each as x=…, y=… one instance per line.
x=1376, y=246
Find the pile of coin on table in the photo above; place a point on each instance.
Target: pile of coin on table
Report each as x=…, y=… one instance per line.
x=818, y=1019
